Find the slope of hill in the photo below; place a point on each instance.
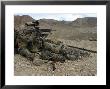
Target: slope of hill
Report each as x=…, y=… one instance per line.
x=81, y=28
x=79, y=22
x=85, y=22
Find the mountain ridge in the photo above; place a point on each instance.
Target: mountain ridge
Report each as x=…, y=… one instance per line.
x=90, y=21
x=81, y=28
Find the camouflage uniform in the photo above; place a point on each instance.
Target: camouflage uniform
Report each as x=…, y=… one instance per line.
x=29, y=40
x=26, y=42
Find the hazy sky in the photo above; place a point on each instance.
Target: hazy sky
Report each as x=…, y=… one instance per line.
x=58, y=16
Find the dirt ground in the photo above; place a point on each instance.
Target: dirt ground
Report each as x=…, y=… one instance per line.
x=83, y=67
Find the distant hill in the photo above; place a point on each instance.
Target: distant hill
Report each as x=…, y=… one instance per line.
x=87, y=21
x=81, y=28
x=79, y=22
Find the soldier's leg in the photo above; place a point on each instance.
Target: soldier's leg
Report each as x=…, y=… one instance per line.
x=26, y=53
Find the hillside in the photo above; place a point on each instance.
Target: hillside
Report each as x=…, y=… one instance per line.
x=85, y=22
x=81, y=28
x=80, y=33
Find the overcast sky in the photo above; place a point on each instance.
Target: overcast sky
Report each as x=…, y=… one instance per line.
x=58, y=16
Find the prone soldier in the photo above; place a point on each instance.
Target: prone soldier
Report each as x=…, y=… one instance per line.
x=29, y=41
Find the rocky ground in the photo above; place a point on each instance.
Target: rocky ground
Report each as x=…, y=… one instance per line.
x=84, y=67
